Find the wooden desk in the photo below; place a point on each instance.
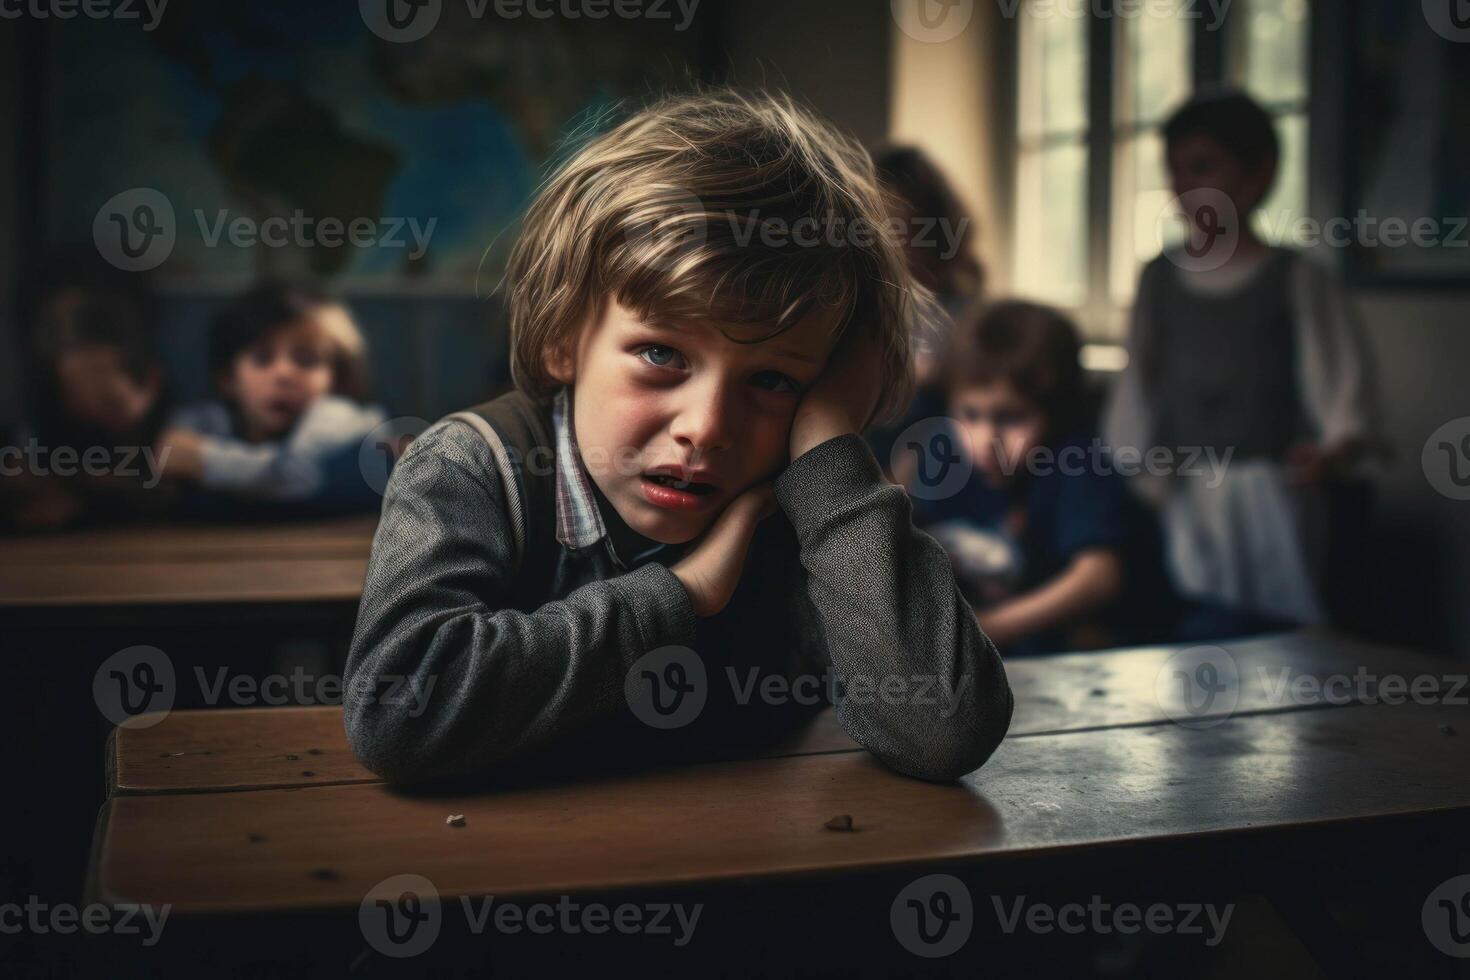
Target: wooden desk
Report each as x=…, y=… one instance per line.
x=261, y=748
x=1120, y=774
x=327, y=846
x=188, y=565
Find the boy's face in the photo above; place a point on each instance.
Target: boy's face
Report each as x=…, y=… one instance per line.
x=98, y=390
x=713, y=413
x=275, y=380
x=1199, y=162
x=1000, y=426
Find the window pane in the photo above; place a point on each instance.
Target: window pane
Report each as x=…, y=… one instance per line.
x=1288, y=199
x=1051, y=230
x=1053, y=73
x=1154, y=74
x=1274, y=62
x=1142, y=203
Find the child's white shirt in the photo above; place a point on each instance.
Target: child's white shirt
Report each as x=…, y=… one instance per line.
x=281, y=470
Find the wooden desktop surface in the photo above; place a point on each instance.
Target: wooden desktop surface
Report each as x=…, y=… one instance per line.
x=245, y=810
x=318, y=561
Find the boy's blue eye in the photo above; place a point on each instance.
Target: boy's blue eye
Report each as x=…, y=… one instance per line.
x=663, y=356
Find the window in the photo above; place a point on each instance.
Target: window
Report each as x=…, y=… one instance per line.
x=1270, y=61
x=1051, y=165
x=1093, y=201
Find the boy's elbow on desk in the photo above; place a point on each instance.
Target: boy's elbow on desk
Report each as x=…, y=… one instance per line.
x=950, y=750
x=394, y=743
x=939, y=743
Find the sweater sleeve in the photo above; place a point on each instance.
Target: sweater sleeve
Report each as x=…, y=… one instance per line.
x=445, y=677
x=920, y=686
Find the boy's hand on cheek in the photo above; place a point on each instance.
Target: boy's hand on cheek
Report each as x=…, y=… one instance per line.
x=710, y=572
x=842, y=399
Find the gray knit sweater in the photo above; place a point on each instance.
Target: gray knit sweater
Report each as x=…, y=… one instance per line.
x=452, y=672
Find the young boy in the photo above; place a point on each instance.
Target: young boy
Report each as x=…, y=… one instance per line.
x=1243, y=348
x=1053, y=553
x=702, y=319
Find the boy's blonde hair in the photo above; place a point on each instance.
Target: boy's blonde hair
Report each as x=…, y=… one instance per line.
x=702, y=207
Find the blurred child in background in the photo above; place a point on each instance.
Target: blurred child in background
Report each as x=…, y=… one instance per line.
x=938, y=242
x=1240, y=347
x=289, y=366
x=99, y=400
x=1052, y=552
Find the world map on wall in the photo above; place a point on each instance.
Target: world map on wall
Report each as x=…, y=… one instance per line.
x=239, y=114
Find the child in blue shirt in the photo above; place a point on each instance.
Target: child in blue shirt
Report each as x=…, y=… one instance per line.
x=1044, y=537
x=283, y=437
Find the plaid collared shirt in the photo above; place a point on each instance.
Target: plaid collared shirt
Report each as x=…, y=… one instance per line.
x=579, y=523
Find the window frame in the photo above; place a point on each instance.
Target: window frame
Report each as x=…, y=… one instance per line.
x=1217, y=58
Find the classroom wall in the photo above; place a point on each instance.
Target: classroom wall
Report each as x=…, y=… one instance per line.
x=833, y=53
x=950, y=98
x=1420, y=539
x=10, y=107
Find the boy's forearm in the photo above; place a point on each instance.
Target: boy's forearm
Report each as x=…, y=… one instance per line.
x=889, y=611
x=1092, y=580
